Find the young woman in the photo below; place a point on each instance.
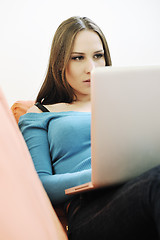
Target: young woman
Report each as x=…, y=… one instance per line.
x=57, y=132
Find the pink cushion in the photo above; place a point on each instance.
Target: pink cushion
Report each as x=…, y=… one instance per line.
x=25, y=209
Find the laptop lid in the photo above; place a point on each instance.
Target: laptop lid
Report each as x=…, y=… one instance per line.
x=125, y=133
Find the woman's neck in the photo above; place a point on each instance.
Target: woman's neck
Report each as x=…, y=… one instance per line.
x=82, y=98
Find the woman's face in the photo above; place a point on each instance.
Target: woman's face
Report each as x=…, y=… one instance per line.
x=87, y=53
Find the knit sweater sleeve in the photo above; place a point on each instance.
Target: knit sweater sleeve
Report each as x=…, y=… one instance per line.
x=36, y=137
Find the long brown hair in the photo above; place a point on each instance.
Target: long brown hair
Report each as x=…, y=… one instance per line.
x=55, y=88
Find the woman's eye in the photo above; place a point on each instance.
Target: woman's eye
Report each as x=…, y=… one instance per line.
x=78, y=58
x=99, y=55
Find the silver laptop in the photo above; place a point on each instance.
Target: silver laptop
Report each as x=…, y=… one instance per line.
x=125, y=124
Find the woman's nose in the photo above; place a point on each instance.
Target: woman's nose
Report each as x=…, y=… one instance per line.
x=89, y=66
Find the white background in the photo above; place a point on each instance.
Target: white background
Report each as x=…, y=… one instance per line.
x=132, y=29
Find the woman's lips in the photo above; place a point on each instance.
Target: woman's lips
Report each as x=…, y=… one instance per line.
x=88, y=80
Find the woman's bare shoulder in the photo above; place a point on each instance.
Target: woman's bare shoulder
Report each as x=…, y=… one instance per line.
x=34, y=109
x=58, y=107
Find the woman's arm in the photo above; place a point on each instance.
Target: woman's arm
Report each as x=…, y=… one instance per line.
x=55, y=185
x=36, y=138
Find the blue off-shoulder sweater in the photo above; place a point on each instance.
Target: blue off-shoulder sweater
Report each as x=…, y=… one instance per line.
x=60, y=147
